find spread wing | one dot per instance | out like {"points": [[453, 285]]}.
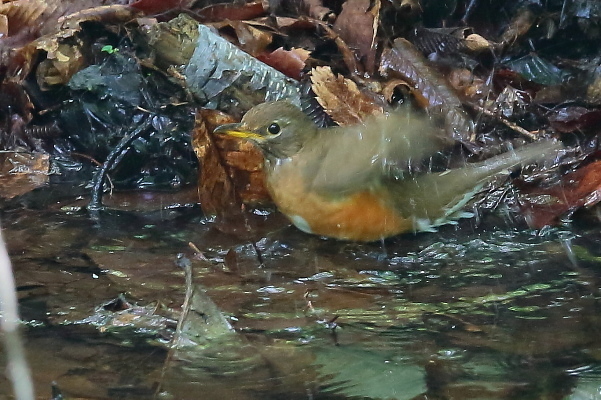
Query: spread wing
{"points": [[356, 157]]}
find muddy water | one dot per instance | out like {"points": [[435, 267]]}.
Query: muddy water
{"points": [[475, 312]]}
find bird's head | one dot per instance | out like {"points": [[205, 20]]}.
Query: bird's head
{"points": [[279, 128]]}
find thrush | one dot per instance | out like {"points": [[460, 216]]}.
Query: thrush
{"points": [[355, 182]]}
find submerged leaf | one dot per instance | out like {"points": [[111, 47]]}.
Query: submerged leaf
{"points": [[22, 172]]}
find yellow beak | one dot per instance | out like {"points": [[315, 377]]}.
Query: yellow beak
{"points": [[238, 130]]}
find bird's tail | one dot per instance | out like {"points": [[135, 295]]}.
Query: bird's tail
{"points": [[524, 155], [438, 198]]}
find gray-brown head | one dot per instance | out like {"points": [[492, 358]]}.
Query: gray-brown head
{"points": [[279, 128]]}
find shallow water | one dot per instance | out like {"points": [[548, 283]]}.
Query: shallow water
{"points": [[485, 312]]}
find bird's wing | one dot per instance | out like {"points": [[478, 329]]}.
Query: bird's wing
{"points": [[355, 157]]}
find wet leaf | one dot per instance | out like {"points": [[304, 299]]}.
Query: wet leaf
{"points": [[449, 41], [573, 118], [537, 70], [203, 323], [52, 20], [586, 12], [63, 59], [518, 26], [22, 172], [466, 83], [216, 190], [581, 188]]}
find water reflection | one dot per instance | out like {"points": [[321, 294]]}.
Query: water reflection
{"points": [[465, 314]]}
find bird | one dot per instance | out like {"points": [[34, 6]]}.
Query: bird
{"points": [[354, 182]]}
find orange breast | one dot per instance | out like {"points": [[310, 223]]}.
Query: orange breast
{"points": [[363, 216]]}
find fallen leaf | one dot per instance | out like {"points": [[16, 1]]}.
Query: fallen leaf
{"points": [[394, 88], [151, 7], [232, 11], [430, 89], [341, 98], [581, 188], [231, 169], [22, 172], [250, 39], [518, 27], [468, 85], [357, 25], [216, 190], [571, 118], [289, 62], [317, 10]]}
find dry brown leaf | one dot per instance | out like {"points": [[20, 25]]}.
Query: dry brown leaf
{"points": [[3, 25], [477, 43], [357, 25], [231, 169], [55, 24], [63, 60], [341, 98]]}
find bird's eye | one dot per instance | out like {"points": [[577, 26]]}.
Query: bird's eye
{"points": [[274, 129]]}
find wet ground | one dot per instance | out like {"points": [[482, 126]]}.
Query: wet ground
{"points": [[482, 311]]}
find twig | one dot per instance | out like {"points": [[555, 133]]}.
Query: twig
{"points": [[95, 162], [186, 265], [98, 182], [506, 122]]}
